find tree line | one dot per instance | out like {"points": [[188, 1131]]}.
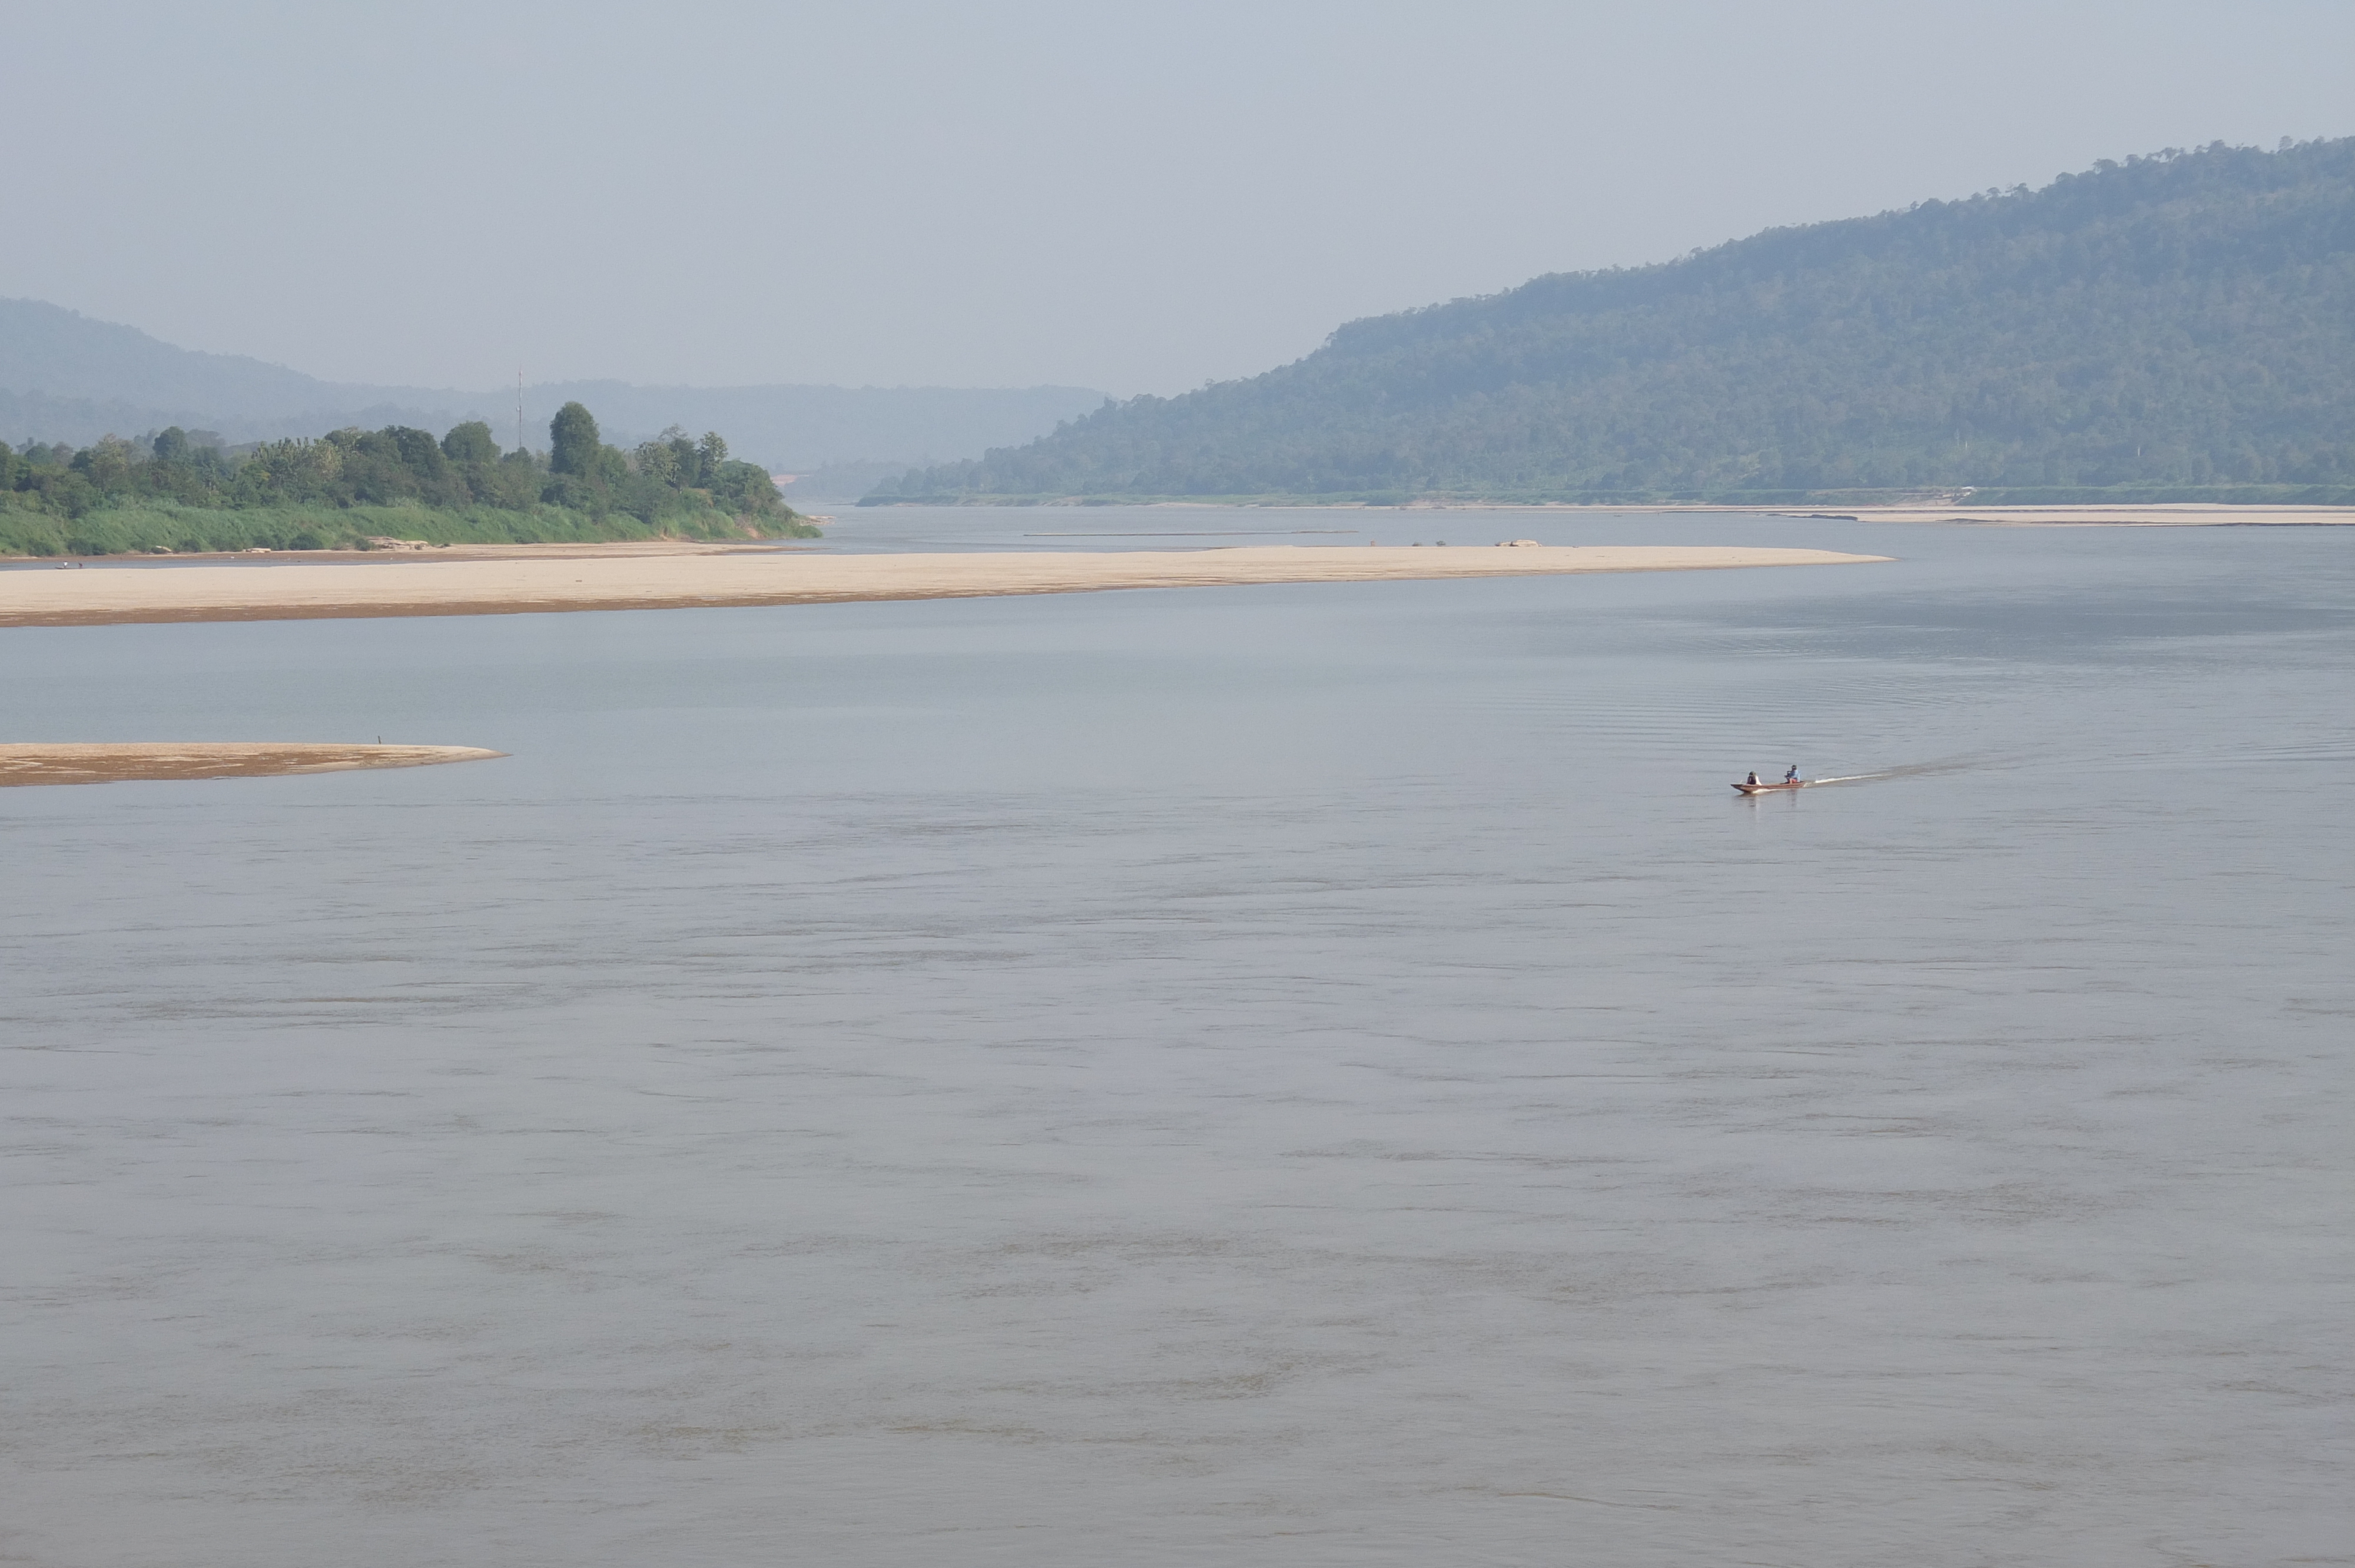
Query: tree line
{"points": [[673, 480], [2182, 321]]}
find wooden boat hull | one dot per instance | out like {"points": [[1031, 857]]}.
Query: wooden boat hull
{"points": [[1771, 789]]}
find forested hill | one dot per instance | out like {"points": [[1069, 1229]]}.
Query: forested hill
{"points": [[2183, 324]]}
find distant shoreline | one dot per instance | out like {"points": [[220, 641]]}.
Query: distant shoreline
{"points": [[635, 577], [2155, 514]]}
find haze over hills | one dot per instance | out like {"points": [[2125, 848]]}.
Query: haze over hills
{"points": [[64, 377], [2180, 324]]}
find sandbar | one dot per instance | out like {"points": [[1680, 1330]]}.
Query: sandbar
{"points": [[578, 581], [2154, 515], [115, 762], [2164, 515]]}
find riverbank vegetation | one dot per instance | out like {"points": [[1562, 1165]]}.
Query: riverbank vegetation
{"points": [[180, 492], [2179, 326]]}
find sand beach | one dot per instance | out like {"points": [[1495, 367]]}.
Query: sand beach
{"points": [[585, 578]]}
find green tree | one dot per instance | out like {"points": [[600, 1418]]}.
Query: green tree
{"points": [[418, 451], [470, 443], [746, 490], [656, 462], [709, 454], [172, 445], [106, 465], [572, 441]]}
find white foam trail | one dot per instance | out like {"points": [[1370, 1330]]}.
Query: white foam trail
{"points": [[1915, 770]]}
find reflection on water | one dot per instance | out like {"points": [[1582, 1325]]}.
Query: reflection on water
{"points": [[1299, 1074]]}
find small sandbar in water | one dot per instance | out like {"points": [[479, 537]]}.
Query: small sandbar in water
{"points": [[115, 762]]}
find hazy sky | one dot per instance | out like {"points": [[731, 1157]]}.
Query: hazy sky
{"points": [[1006, 192]]}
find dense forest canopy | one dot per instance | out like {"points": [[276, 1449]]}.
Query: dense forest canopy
{"points": [[57, 497], [2178, 322]]}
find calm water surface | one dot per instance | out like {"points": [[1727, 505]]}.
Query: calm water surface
{"points": [[1316, 1074]]}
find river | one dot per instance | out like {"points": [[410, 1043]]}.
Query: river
{"points": [[1308, 1074]]}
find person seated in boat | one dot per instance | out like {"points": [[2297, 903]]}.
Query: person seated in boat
{"points": [[1754, 779], [1793, 776]]}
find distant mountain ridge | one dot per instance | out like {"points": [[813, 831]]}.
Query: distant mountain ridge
{"points": [[47, 349], [2181, 321], [65, 376]]}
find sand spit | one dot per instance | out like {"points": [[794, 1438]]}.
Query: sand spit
{"points": [[113, 763], [536, 585], [2170, 515]]}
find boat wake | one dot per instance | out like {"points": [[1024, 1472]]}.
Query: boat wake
{"points": [[1914, 770]]}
